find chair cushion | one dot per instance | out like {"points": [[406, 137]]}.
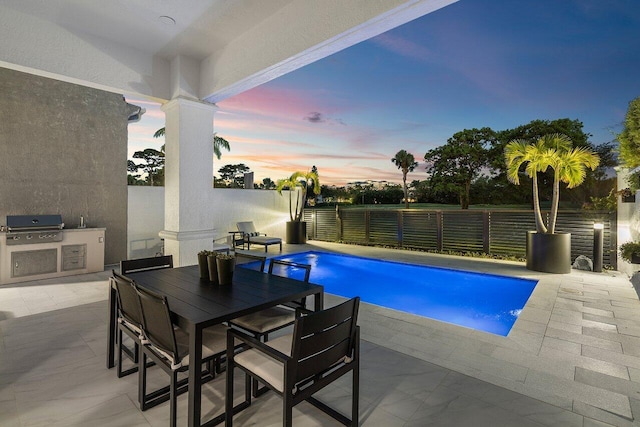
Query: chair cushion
{"points": [[266, 320], [267, 368], [264, 240]]}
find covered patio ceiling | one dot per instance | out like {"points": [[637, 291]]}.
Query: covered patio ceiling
{"points": [[204, 49]]}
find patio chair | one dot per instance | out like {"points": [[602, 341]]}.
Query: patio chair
{"points": [[264, 322], [222, 244], [324, 346], [168, 345], [129, 320], [246, 258], [144, 264], [251, 235]]}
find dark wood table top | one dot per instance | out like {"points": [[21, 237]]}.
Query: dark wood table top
{"points": [[196, 301]]}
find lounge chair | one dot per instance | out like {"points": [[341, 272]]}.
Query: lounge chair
{"points": [[251, 236]]}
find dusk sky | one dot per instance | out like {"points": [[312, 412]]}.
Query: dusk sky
{"points": [[475, 63]]}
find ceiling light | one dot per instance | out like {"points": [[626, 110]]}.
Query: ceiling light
{"points": [[166, 20]]}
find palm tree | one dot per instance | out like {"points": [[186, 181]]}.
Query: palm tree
{"points": [[218, 142], [298, 184], [553, 151], [407, 163]]}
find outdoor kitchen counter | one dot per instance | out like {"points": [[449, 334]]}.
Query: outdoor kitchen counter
{"points": [[80, 251]]}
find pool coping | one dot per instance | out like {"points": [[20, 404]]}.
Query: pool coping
{"points": [[565, 349]]}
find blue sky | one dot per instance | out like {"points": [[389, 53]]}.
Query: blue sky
{"points": [[475, 63]]}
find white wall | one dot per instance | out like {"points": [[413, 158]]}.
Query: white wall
{"points": [[628, 221], [145, 219], [266, 208]]}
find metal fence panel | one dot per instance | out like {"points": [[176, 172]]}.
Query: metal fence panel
{"points": [[580, 225], [383, 227], [419, 229], [498, 232], [354, 227], [321, 224], [462, 231], [508, 232]]}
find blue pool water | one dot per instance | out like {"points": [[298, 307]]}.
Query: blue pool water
{"points": [[480, 301]]}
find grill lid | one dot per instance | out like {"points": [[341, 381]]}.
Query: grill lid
{"points": [[34, 222]]}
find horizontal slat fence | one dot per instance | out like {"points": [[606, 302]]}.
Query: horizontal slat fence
{"points": [[508, 231], [462, 231], [420, 229], [496, 232]]}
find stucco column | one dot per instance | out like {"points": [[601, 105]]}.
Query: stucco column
{"points": [[188, 179]]}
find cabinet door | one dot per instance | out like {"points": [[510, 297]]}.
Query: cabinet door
{"points": [[30, 263]]}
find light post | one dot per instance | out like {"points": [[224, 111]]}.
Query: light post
{"points": [[598, 230]]}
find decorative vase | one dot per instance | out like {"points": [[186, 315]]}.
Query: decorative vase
{"points": [[296, 232], [225, 270], [212, 269], [549, 253], [202, 266]]}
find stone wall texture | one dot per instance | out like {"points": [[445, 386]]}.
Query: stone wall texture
{"points": [[63, 149]]}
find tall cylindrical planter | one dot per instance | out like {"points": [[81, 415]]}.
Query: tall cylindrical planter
{"points": [[212, 269], [296, 232], [549, 253], [203, 267], [226, 266]]}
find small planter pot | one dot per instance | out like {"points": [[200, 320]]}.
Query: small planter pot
{"points": [[212, 269], [226, 266], [202, 266], [635, 258]]}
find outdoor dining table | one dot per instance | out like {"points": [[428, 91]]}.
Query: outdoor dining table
{"points": [[197, 304]]}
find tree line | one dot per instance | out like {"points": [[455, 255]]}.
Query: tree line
{"points": [[470, 168]]}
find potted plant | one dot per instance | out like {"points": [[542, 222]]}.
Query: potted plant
{"points": [[630, 252], [297, 184], [627, 195], [547, 250], [226, 265], [202, 264]]}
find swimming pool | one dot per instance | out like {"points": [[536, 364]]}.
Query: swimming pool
{"points": [[485, 302]]}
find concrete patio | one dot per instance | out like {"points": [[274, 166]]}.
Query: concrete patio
{"points": [[571, 359]]}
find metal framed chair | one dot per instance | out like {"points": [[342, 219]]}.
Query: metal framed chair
{"points": [[129, 321], [257, 261], [251, 236], [264, 322], [324, 346], [168, 346], [222, 244], [144, 264], [126, 267]]}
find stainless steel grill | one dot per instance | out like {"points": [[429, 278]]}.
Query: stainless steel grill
{"points": [[30, 229]]}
